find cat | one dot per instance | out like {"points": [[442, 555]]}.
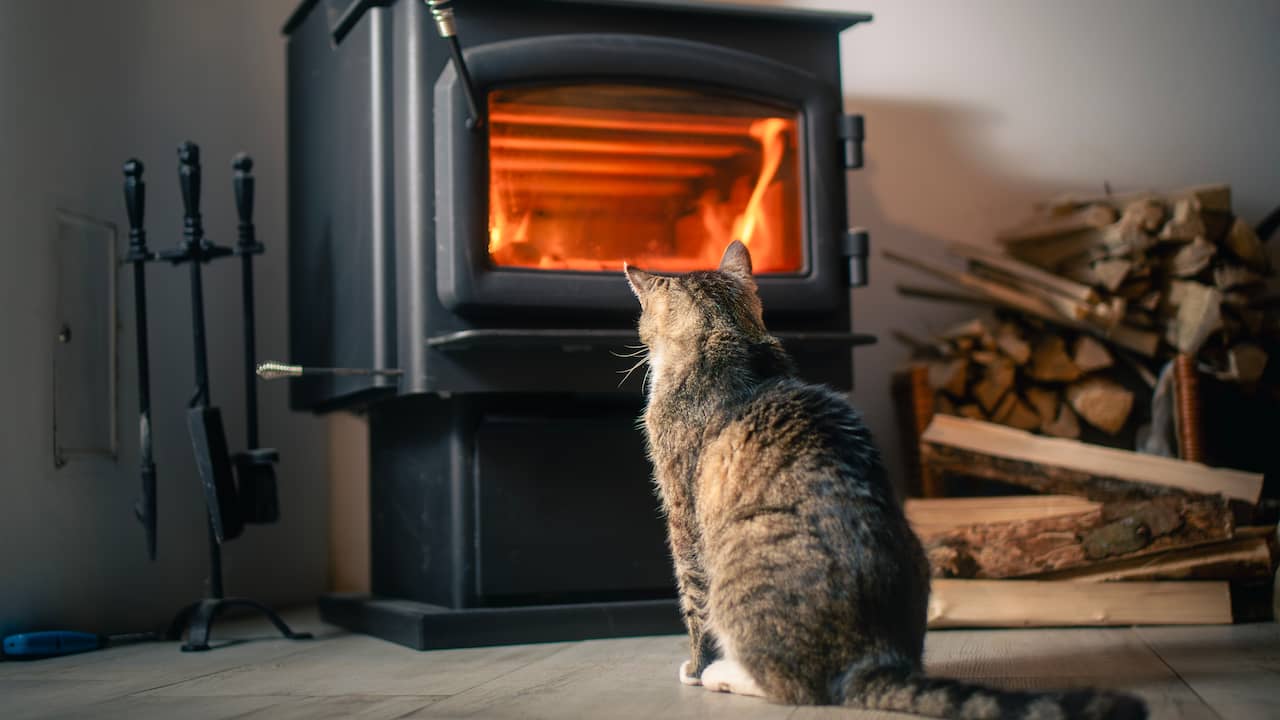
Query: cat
{"points": [[799, 578]]}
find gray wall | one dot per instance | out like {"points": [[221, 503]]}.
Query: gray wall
{"points": [[83, 86]]}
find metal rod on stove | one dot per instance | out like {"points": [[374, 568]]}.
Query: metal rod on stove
{"points": [[443, 15], [276, 370]]}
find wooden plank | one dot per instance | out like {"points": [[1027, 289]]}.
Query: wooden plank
{"points": [[1057, 658], [1101, 464], [622, 679], [1032, 603], [1234, 669], [362, 665], [928, 516]]}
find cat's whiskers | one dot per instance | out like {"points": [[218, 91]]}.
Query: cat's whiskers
{"points": [[639, 351], [627, 373]]}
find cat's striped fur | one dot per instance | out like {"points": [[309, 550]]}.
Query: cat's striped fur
{"points": [[799, 577]]}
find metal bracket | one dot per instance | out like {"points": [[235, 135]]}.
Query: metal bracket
{"points": [[852, 132], [856, 248]]}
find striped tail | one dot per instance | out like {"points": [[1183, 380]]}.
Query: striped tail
{"points": [[902, 690]]}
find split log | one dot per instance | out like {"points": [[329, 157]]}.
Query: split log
{"points": [[1139, 341], [1186, 224], [1010, 342], [1015, 413], [1209, 197], [1065, 425], [1111, 273], [949, 376], [1242, 558], [1059, 466], [1047, 544], [1045, 402], [1051, 226], [933, 515], [1050, 361], [1199, 314], [971, 411], [1228, 276], [1090, 355], [1193, 258], [1031, 603], [1243, 242], [1102, 403], [995, 383], [1027, 272], [1146, 213]]}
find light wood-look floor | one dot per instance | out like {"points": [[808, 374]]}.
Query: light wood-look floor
{"points": [[1230, 673]]}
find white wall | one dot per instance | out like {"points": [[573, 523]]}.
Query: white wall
{"points": [[974, 109], [83, 86]]}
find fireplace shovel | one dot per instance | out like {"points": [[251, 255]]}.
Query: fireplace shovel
{"points": [[255, 467]]}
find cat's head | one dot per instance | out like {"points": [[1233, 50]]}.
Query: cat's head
{"points": [[680, 313]]}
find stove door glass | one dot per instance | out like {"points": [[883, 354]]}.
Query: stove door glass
{"points": [[586, 176]]}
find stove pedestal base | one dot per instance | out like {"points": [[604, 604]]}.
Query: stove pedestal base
{"points": [[431, 627]]}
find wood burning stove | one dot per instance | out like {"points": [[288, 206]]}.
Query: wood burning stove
{"points": [[482, 257]]}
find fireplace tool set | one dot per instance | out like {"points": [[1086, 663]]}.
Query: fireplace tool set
{"points": [[247, 494]]}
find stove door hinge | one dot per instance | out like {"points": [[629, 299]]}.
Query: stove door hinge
{"points": [[852, 133], [856, 247]]}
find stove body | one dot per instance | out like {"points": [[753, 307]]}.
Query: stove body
{"points": [[510, 493]]}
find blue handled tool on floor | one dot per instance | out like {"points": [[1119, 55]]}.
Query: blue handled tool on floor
{"points": [[52, 643]]}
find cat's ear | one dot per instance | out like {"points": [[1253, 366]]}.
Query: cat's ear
{"points": [[736, 260], [641, 282]]}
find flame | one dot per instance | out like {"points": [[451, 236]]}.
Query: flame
{"points": [[578, 184], [769, 132]]}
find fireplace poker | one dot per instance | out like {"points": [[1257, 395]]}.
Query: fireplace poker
{"points": [[275, 370], [135, 194], [443, 15]]}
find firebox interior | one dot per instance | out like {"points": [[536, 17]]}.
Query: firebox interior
{"points": [[584, 177]]}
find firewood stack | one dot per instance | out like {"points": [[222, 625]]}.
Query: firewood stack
{"points": [[1157, 526], [1093, 297], [1025, 374], [1149, 274]]}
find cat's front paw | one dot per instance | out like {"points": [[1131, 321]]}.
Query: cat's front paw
{"points": [[685, 676]]}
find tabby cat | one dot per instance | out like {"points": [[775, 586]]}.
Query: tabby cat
{"points": [[799, 578]]}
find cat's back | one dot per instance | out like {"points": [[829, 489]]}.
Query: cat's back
{"points": [[788, 436]]}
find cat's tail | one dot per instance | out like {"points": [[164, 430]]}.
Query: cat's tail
{"points": [[898, 689]]}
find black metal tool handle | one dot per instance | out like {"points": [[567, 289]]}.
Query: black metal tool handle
{"points": [[242, 184], [193, 244], [135, 195], [442, 13], [189, 181], [247, 247]]}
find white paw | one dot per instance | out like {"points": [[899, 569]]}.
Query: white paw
{"points": [[685, 677], [729, 676]]}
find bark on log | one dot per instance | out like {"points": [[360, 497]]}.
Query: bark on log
{"points": [[1123, 530]]}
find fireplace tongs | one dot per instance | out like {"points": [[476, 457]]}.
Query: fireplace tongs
{"points": [[443, 15]]}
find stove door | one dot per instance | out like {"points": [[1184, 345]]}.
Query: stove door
{"points": [[604, 149]]}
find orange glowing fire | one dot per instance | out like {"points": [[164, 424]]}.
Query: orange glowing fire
{"points": [[586, 177]]}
